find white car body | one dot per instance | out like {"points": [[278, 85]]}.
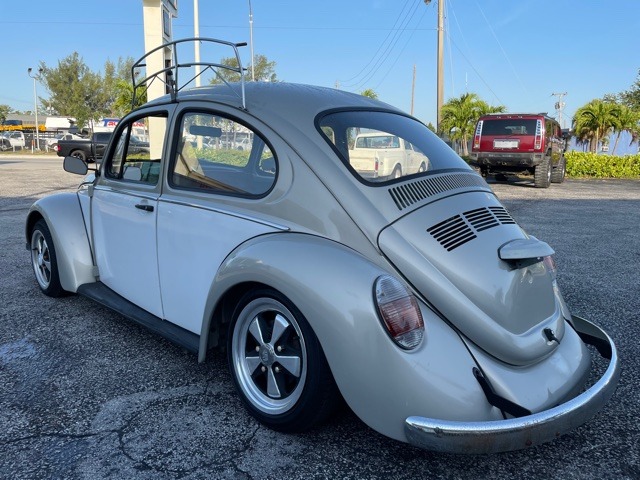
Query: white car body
{"points": [[418, 299]]}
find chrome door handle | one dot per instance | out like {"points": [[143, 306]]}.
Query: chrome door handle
{"points": [[146, 208]]}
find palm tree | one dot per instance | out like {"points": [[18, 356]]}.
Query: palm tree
{"points": [[594, 121], [459, 117], [369, 92], [626, 120]]}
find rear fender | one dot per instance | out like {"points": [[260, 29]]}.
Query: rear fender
{"points": [[65, 220], [333, 286]]}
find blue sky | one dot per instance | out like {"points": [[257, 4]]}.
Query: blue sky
{"points": [[513, 53]]}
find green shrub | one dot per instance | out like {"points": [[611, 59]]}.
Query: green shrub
{"points": [[583, 164]]}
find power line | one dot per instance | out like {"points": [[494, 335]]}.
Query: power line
{"points": [[408, 16], [503, 51], [381, 44]]}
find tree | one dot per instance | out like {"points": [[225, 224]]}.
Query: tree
{"points": [[370, 93], [78, 92], [4, 111], [631, 97], [595, 120], [264, 70], [459, 117], [626, 120]]}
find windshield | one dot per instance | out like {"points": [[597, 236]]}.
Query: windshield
{"points": [[379, 147]]}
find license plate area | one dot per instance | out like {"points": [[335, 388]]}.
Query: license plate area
{"points": [[506, 143]]}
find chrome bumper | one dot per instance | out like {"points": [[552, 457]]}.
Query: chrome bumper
{"points": [[523, 432]]}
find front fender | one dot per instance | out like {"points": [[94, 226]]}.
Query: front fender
{"points": [[65, 220], [332, 286]]}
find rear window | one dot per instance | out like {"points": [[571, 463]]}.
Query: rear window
{"points": [[511, 126], [379, 147]]}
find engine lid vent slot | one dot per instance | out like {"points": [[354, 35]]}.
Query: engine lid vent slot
{"points": [[407, 194], [452, 232], [460, 229]]}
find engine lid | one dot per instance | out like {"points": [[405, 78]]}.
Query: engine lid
{"points": [[450, 251]]}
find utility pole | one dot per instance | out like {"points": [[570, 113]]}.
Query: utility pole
{"points": [[413, 87], [196, 45], [560, 107], [253, 71], [35, 103], [440, 61]]}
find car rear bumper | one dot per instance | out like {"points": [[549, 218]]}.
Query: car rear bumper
{"points": [[509, 160], [530, 430]]}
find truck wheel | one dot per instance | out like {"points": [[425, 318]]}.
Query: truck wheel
{"points": [[559, 172], [542, 174], [277, 363], [44, 260], [79, 154], [397, 172], [423, 168]]}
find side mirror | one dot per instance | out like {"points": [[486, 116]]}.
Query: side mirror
{"points": [[132, 173], [75, 165]]}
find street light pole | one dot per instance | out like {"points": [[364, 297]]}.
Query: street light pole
{"points": [[35, 103], [253, 72]]}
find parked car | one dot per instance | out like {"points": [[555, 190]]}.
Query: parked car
{"points": [[12, 140], [520, 142], [89, 149], [380, 155], [419, 299], [52, 142]]}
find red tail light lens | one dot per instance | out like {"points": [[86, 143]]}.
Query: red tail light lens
{"points": [[537, 144], [476, 138], [399, 312]]}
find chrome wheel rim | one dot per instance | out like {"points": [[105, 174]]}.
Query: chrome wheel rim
{"points": [[269, 356], [41, 259]]}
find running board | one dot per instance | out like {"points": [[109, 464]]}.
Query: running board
{"points": [[102, 294]]}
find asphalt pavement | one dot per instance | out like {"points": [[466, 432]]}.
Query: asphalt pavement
{"points": [[86, 394]]}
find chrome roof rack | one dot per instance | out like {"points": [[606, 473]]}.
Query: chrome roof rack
{"points": [[169, 74]]}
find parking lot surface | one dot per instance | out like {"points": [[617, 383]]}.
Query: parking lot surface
{"points": [[84, 393]]}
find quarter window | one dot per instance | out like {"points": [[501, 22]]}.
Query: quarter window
{"points": [[218, 154]]}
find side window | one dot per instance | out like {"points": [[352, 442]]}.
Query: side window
{"points": [[218, 154], [136, 157]]}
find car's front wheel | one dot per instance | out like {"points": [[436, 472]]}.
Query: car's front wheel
{"points": [[277, 363], [44, 260], [542, 174], [558, 173]]}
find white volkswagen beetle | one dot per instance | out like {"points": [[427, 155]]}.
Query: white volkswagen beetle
{"points": [[417, 299]]}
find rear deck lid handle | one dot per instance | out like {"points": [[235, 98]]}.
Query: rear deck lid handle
{"points": [[522, 249]]}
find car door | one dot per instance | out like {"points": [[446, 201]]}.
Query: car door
{"points": [[206, 210], [124, 209]]}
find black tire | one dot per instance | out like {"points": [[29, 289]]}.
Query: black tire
{"points": [[284, 382], [542, 174], [44, 260], [559, 172], [501, 177], [79, 154], [397, 172], [423, 167]]}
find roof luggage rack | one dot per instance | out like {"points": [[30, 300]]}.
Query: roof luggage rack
{"points": [[169, 74]]}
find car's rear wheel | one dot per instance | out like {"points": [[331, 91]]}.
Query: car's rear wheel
{"points": [[397, 172], [542, 174], [79, 154], [44, 260], [559, 172], [423, 167], [277, 363]]}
